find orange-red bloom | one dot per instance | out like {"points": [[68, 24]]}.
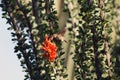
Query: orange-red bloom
{"points": [[50, 49]]}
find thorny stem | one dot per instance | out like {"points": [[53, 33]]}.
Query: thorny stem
{"points": [[70, 7], [48, 11], [96, 53], [16, 28], [35, 10], [82, 55], [31, 35], [106, 44]]}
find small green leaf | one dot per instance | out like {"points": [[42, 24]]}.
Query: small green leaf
{"points": [[19, 56]]}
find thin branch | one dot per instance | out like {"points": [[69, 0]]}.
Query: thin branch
{"points": [[31, 34], [106, 44], [96, 53], [35, 10], [15, 27], [25, 15], [48, 11]]}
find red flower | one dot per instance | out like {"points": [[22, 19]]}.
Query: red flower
{"points": [[50, 49]]}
